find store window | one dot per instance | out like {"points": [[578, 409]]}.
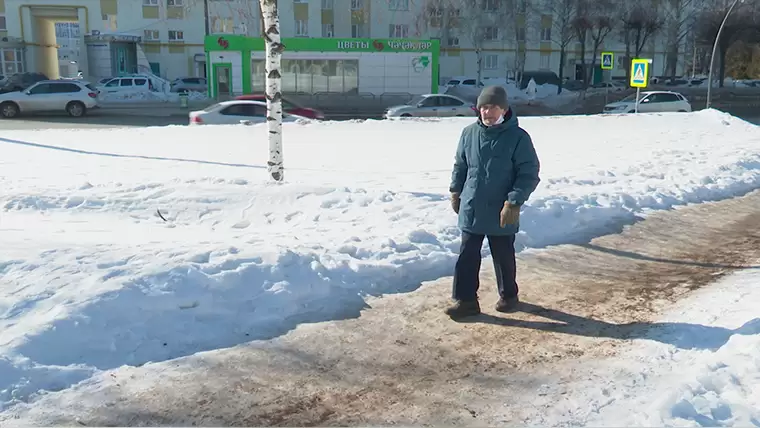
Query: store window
{"points": [[11, 61], [311, 75]]}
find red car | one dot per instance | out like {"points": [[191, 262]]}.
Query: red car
{"points": [[288, 106]]}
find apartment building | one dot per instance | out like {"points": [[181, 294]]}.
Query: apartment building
{"points": [[103, 37], [507, 40], [167, 36]]}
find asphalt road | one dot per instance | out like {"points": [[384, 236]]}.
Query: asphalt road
{"points": [[115, 118]]}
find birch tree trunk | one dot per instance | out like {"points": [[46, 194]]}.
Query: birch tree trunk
{"points": [[274, 48]]}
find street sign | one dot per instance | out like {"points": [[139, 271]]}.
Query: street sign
{"points": [[608, 60], [639, 73]]}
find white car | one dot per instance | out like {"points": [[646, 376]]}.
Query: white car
{"points": [[650, 102], [432, 105], [236, 112], [74, 97]]}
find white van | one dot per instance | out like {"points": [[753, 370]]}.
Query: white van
{"points": [[126, 84]]}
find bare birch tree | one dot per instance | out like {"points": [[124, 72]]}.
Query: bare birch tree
{"points": [[274, 49]]}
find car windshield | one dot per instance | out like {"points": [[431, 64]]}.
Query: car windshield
{"points": [[631, 98], [414, 101]]}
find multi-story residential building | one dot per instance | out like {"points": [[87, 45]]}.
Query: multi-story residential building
{"points": [[167, 36], [112, 36]]}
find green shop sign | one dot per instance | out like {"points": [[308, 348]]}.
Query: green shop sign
{"points": [[301, 44]]}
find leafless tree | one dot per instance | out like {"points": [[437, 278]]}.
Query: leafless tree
{"points": [[582, 24], [678, 19], [742, 24], [639, 23], [563, 32], [601, 15]]}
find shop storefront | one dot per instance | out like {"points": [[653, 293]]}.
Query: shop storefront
{"points": [[329, 65]]}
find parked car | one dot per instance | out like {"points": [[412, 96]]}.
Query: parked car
{"points": [[651, 102], [74, 97], [189, 84], [288, 106], [432, 105], [613, 86], [127, 84], [21, 81], [464, 81], [235, 112]]}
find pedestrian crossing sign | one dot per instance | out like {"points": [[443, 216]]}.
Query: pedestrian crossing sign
{"points": [[608, 61], [639, 73]]}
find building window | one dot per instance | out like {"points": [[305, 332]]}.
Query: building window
{"points": [[327, 4], [357, 4], [398, 4], [453, 41], [328, 30], [150, 2], [398, 31], [491, 5], [546, 34], [521, 34], [222, 25], [11, 61], [176, 36], [109, 22], [491, 33], [491, 62], [310, 76], [357, 31], [302, 28], [151, 35], [300, 1], [174, 2], [545, 61], [3, 24]]}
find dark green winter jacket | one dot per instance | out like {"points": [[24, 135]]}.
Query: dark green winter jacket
{"points": [[493, 165]]}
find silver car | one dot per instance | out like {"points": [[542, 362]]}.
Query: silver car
{"points": [[189, 84], [74, 97], [432, 105]]}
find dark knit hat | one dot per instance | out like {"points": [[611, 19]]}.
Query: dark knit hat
{"points": [[493, 95]]}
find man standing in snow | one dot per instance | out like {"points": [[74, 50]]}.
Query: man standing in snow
{"points": [[495, 171]]}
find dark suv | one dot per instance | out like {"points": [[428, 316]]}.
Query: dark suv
{"points": [[21, 81]]}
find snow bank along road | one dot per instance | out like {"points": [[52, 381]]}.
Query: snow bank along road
{"points": [[403, 362], [99, 281]]}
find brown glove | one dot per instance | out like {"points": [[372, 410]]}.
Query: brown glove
{"points": [[510, 214], [455, 201]]}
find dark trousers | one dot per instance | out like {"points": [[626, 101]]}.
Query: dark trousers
{"points": [[467, 270]]}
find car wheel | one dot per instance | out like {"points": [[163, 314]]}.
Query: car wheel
{"points": [[631, 111], [9, 110], [682, 111], [406, 115], [75, 109]]}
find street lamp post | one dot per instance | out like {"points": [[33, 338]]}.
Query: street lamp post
{"points": [[715, 47]]}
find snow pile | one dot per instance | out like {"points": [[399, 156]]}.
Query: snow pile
{"points": [[94, 278], [699, 366]]}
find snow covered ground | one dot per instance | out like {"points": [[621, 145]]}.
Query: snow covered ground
{"points": [[699, 366], [92, 278]]}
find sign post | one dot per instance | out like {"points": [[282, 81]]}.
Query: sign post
{"points": [[639, 77], [608, 63]]}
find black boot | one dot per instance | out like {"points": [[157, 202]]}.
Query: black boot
{"points": [[508, 305], [462, 309]]}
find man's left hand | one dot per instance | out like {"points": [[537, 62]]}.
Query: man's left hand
{"points": [[510, 214]]}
